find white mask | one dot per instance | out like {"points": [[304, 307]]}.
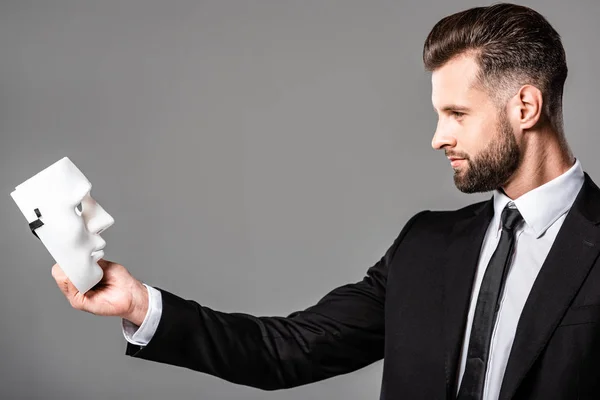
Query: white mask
{"points": [[61, 213]]}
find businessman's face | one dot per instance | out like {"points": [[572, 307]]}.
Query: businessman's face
{"points": [[475, 134]]}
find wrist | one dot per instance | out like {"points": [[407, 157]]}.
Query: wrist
{"points": [[139, 304]]}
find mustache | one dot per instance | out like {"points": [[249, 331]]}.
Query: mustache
{"points": [[457, 155]]}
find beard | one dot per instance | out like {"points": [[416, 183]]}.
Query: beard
{"points": [[494, 165]]}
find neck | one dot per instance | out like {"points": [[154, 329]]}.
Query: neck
{"points": [[546, 156]]}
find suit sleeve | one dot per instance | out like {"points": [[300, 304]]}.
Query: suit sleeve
{"points": [[343, 332]]}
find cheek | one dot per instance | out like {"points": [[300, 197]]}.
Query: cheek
{"points": [[476, 136], [68, 228]]}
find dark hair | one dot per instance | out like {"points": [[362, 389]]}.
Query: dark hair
{"points": [[513, 45]]}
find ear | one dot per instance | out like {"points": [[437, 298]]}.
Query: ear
{"points": [[529, 102]]}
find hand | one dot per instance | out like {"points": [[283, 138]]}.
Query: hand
{"points": [[117, 294]]}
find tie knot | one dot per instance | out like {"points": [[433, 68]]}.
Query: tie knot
{"points": [[511, 217]]}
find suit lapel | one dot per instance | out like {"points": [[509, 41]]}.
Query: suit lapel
{"points": [[462, 255], [571, 256]]}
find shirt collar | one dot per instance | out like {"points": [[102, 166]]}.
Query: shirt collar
{"points": [[542, 206]]}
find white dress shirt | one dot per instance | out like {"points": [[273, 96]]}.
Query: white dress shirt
{"points": [[543, 209]]}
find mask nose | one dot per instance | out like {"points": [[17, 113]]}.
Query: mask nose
{"points": [[100, 221]]}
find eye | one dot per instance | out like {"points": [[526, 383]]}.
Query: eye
{"points": [[458, 114], [79, 209]]}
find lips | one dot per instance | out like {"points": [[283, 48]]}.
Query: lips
{"points": [[455, 162], [98, 253]]}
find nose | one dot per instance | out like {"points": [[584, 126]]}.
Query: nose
{"points": [[442, 138], [100, 221]]}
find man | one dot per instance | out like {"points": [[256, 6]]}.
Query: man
{"points": [[497, 300]]}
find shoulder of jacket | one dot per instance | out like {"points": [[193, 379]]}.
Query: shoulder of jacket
{"points": [[443, 217]]}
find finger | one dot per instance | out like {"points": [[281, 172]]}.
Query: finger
{"points": [[73, 295], [70, 289], [104, 264], [59, 276], [57, 272], [63, 282]]}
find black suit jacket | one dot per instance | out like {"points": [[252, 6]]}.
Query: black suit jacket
{"points": [[411, 309]]}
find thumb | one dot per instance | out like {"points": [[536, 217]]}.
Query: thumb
{"points": [[104, 264]]}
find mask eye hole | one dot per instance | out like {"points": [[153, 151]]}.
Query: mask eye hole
{"points": [[79, 209]]}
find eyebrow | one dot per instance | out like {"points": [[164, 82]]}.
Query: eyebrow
{"points": [[454, 107]]}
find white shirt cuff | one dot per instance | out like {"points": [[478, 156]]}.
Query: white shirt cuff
{"points": [[141, 335]]}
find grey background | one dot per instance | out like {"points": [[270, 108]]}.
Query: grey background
{"points": [[255, 155]]}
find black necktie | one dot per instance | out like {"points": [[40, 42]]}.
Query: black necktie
{"points": [[471, 387]]}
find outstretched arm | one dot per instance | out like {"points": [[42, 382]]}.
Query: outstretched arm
{"points": [[343, 332]]}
